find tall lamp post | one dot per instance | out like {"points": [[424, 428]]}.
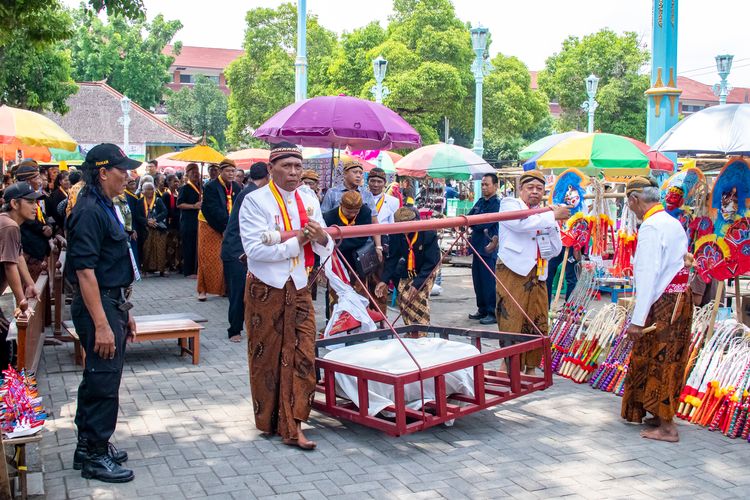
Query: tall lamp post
{"points": [[300, 63], [480, 68], [379, 67], [125, 106], [592, 83], [723, 66]]}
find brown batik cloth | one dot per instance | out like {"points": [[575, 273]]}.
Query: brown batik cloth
{"points": [[155, 251], [210, 267], [417, 311], [174, 255], [281, 354], [531, 295], [657, 363]]}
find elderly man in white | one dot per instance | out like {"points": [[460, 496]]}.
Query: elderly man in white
{"points": [[279, 314], [524, 247]]}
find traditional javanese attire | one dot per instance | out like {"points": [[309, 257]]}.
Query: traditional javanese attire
{"points": [[173, 230], [279, 314], [218, 198], [386, 206], [663, 298], [421, 254], [154, 239], [522, 270]]}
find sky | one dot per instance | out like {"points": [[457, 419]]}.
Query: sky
{"points": [[531, 30]]}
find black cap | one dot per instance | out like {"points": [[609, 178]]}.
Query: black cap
{"points": [[21, 190], [259, 170], [108, 156]]}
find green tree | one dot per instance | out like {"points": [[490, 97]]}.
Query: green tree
{"points": [[200, 109], [514, 113], [350, 70], [33, 74], [262, 80], [617, 61], [36, 18], [127, 54]]}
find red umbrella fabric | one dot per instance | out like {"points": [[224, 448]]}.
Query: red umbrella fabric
{"points": [[340, 122], [656, 160]]}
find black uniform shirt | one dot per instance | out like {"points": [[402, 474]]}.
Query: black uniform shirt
{"points": [[188, 216], [231, 245], [97, 240]]}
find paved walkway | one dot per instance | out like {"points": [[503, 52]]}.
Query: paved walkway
{"points": [[189, 433]]}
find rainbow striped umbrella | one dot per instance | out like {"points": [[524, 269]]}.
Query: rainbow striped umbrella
{"points": [[444, 161], [593, 154]]}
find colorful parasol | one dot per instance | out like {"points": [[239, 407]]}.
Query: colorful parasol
{"points": [[38, 153], [244, 158], [656, 160], [446, 161], [543, 144], [198, 154], [593, 154], [34, 129], [721, 130], [339, 121]]}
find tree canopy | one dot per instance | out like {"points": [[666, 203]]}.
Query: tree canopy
{"points": [[200, 109], [617, 60], [127, 54]]}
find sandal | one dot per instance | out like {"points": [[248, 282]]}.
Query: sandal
{"points": [[236, 339]]}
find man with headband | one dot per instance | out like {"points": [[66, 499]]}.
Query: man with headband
{"points": [[524, 248], [662, 299], [279, 314]]}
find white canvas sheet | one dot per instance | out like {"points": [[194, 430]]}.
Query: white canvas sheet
{"points": [[390, 356]]}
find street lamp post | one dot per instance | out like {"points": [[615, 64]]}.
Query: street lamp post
{"points": [[723, 66], [592, 83], [125, 106], [379, 67], [300, 63], [480, 68]]}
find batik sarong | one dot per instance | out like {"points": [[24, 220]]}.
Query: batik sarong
{"points": [[657, 363], [155, 251], [417, 310], [174, 254], [531, 295], [280, 325], [210, 267]]}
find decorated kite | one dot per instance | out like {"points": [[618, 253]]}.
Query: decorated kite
{"points": [[725, 252], [569, 190]]}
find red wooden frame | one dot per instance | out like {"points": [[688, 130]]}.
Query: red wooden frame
{"points": [[491, 387]]}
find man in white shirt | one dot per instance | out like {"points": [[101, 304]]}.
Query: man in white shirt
{"points": [[662, 300], [524, 247], [385, 204], [279, 314]]}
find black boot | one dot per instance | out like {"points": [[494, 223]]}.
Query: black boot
{"points": [[100, 466], [118, 456]]}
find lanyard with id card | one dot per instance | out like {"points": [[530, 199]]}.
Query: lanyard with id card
{"points": [[117, 215], [545, 245]]}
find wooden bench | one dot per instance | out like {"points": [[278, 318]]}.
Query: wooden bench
{"points": [[28, 331], [186, 331]]}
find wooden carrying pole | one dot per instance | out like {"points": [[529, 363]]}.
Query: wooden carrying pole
{"points": [[337, 232], [714, 311], [561, 279]]}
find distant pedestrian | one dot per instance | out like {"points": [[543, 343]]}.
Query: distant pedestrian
{"points": [[189, 201], [484, 241], [173, 223]]}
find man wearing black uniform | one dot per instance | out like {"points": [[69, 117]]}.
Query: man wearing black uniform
{"points": [[36, 233], [484, 240], [189, 202], [101, 269], [233, 255]]}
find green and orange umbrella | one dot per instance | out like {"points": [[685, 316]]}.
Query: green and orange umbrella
{"points": [[594, 154]]}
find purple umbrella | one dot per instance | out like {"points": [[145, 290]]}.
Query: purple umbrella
{"points": [[338, 122]]}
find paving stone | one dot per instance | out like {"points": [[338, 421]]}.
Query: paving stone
{"points": [[189, 432]]}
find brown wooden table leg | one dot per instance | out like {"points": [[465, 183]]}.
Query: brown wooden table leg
{"points": [[196, 347]]}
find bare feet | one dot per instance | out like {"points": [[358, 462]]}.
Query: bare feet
{"points": [[530, 371], [201, 297], [235, 338], [301, 441], [652, 421], [193, 277], [665, 432]]}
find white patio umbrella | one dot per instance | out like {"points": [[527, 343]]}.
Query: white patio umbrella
{"points": [[716, 130]]}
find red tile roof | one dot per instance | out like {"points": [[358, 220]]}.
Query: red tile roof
{"points": [[203, 57], [697, 91]]}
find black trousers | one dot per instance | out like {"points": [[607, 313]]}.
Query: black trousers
{"points": [[189, 246], [484, 284], [571, 280], [235, 276], [98, 394]]}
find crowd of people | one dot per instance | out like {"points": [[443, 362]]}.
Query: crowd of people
{"points": [[120, 226]]}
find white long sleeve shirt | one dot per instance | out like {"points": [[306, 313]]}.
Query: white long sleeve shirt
{"points": [[517, 239], [388, 209], [275, 264], [662, 244]]}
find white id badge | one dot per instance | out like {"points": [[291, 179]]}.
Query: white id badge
{"points": [[545, 245]]}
